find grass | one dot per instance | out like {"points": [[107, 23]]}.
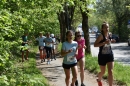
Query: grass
{"points": [[59, 47], [121, 72], [27, 72]]}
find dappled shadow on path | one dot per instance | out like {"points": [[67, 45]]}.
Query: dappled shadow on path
{"points": [[53, 71]]}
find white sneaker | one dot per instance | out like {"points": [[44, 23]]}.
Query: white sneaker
{"points": [[47, 62]]}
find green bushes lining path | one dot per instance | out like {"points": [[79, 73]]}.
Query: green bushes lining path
{"points": [[121, 72], [23, 74]]}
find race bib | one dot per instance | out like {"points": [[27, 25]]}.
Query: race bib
{"points": [[106, 50], [70, 58], [49, 44]]}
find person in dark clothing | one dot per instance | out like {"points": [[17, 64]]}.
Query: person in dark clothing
{"points": [[25, 46], [48, 46], [105, 56]]}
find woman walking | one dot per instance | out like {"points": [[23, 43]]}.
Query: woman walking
{"points": [[80, 56], [24, 48], [48, 46], [69, 51], [105, 56], [40, 40]]}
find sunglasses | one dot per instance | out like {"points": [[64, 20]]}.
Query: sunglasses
{"points": [[79, 35]]}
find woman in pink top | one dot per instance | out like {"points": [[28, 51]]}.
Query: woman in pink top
{"points": [[80, 56]]}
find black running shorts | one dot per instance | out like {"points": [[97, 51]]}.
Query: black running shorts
{"points": [[103, 59], [68, 66]]}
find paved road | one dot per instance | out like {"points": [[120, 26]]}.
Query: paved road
{"points": [[121, 51]]}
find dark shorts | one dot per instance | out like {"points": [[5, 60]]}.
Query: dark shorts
{"points": [[103, 59], [68, 66]]}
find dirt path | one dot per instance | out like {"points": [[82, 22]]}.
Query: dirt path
{"points": [[55, 74]]}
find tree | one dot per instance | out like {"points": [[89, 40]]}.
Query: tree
{"points": [[65, 18], [85, 15], [116, 13], [16, 17], [69, 9], [122, 14]]}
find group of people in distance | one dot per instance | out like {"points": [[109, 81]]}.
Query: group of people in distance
{"points": [[46, 46], [73, 54]]}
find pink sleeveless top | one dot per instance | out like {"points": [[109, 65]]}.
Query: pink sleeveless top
{"points": [[80, 50]]}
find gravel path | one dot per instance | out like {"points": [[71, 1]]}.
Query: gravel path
{"points": [[56, 77]]}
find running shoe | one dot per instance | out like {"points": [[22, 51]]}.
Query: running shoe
{"points": [[76, 83], [47, 62], [99, 83], [55, 57], [82, 84], [41, 61], [44, 60]]}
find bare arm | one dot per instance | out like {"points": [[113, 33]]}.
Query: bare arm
{"points": [[76, 52], [63, 52], [97, 44], [113, 40]]}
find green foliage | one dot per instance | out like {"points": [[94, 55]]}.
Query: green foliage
{"points": [[123, 76], [91, 64], [17, 16], [59, 47], [116, 13], [23, 74]]}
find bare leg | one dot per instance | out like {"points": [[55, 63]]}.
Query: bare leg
{"points": [[67, 74], [74, 73], [81, 65], [110, 66], [44, 54], [22, 56], [54, 54], [27, 52], [102, 68]]}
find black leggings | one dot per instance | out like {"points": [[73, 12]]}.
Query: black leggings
{"points": [[48, 51]]}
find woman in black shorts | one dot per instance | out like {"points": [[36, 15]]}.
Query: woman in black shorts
{"points": [[105, 56], [69, 51]]}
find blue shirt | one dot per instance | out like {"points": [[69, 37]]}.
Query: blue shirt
{"points": [[48, 42], [70, 58], [41, 40]]}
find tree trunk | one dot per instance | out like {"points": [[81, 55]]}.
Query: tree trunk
{"points": [[65, 20], [85, 29], [61, 17]]}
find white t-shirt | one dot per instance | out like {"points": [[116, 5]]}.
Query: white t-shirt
{"points": [[41, 40]]}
